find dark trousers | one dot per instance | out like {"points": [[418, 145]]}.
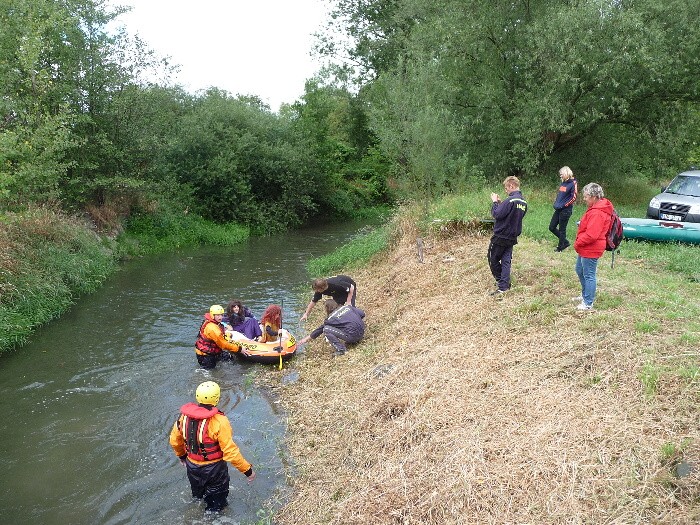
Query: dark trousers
{"points": [[558, 224], [209, 360], [342, 298], [338, 338], [500, 257], [210, 482]]}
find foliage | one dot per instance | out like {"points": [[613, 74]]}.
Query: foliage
{"points": [[462, 89], [243, 163], [167, 230], [48, 259], [352, 254], [334, 124], [79, 127]]}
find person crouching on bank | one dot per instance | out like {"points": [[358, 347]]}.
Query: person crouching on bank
{"points": [[344, 324], [202, 439]]}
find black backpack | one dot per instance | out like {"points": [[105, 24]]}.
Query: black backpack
{"points": [[614, 236]]}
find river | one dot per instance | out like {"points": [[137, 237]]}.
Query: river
{"points": [[88, 404]]}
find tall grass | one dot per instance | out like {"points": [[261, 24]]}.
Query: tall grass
{"points": [[630, 198], [351, 255], [149, 234], [48, 259]]}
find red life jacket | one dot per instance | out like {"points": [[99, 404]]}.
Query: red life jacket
{"points": [[194, 426], [204, 344]]}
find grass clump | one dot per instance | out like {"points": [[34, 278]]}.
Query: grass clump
{"points": [[47, 260], [352, 254], [150, 234]]}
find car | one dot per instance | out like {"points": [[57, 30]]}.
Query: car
{"points": [[679, 201]]}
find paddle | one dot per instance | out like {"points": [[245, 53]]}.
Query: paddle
{"points": [[279, 332]]}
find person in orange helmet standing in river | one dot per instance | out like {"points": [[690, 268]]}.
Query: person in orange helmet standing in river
{"points": [[202, 439]]}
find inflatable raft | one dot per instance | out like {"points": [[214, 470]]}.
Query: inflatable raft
{"points": [[267, 353], [656, 230]]}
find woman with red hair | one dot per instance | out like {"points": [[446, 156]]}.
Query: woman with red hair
{"points": [[271, 323]]}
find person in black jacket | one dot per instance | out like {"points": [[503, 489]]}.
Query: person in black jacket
{"points": [[344, 324], [337, 287], [508, 226]]}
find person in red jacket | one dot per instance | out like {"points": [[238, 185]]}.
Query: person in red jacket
{"points": [[202, 439], [590, 241]]}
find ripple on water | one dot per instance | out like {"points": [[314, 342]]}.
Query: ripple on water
{"points": [[36, 385], [103, 385]]}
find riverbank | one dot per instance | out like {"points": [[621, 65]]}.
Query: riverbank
{"points": [[49, 258], [463, 408]]}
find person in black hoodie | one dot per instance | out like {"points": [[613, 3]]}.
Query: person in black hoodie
{"points": [[509, 215]]}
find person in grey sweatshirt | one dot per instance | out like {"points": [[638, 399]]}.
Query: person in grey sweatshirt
{"points": [[343, 324]]}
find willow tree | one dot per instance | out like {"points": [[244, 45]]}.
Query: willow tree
{"points": [[502, 87]]}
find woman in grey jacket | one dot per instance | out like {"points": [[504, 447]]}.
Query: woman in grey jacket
{"points": [[344, 324]]}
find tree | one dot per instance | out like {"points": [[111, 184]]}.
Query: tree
{"points": [[335, 123], [498, 88], [243, 163], [35, 120], [67, 98]]}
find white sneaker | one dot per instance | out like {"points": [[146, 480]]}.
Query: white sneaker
{"points": [[584, 306], [577, 299]]}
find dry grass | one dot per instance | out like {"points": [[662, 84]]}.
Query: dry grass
{"points": [[461, 408]]}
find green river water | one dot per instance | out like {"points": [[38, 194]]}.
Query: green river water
{"points": [[89, 402]]}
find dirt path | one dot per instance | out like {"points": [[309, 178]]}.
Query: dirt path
{"points": [[459, 407]]}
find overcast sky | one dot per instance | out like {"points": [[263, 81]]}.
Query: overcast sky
{"points": [[258, 47]]}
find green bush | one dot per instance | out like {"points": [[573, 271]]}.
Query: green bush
{"points": [[352, 254], [148, 234]]}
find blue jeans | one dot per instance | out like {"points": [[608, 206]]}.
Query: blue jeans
{"points": [[586, 271]]}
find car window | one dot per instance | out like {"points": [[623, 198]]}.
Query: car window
{"points": [[683, 185]]}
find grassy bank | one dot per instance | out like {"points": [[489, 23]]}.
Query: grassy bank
{"points": [[353, 254], [630, 200], [461, 408], [48, 259]]}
